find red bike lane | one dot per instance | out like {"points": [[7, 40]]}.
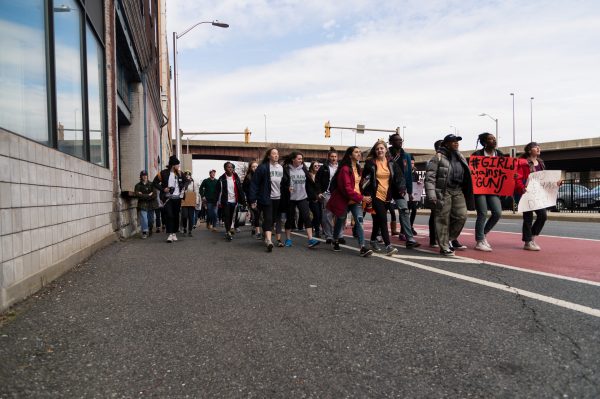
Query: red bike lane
{"points": [[570, 257]]}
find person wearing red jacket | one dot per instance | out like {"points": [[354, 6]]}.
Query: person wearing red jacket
{"points": [[530, 162], [346, 196]]}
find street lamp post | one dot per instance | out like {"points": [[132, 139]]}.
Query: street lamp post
{"points": [[513, 101], [403, 127], [495, 120], [531, 116], [175, 82]]}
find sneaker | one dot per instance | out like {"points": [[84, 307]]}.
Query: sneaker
{"points": [[238, 230], [342, 240], [402, 237], [480, 246], [313, 243], [174, 237], [279, 244], [414, 232], [485, 241], [390, 250], [412, 244], [144, 236], [170, 238], [375, 246], [232, 232], [446, 252], [536, 245], [228, 237], [328, 241], [433, 245], [379, 239], [269, 246], [336, 246], [288, 243], [530, 246], [365, 252], [258, 236], [457, 245]]}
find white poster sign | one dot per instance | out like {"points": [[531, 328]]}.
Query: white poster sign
{"points": [[417, 190], [542, 191]]}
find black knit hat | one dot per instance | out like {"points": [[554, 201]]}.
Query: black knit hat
{"points": [[173, 161]]}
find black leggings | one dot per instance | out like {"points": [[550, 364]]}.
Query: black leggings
{"points": [[302, 206], [270, 214], [380, 221], [255, 217], [228, 215]]}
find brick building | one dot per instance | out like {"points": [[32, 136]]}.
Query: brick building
{"points": [[84, 110]]}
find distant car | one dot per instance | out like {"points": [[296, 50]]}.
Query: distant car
{"points": [[591, 199], [567, 194]]}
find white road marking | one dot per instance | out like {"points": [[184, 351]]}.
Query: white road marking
{"points": [[528, 294]]}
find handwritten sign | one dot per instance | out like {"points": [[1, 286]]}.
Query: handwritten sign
{"points": [[542, 191], [493, 175], [417, 190]]}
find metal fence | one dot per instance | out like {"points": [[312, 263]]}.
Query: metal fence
{"points": [[579, 195]]}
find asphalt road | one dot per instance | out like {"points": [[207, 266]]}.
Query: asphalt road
{"points": [[206, 318]]}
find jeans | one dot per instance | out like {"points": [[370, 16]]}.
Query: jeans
{"points": [[530, 231], [404, 215], [211, 214], [451, 217], [357, 213], [327, 219], [228, 215], [483, 202], [146, 217]]}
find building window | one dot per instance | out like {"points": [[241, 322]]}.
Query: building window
{"points": [[69, 95], [96, 103], [23, 66]]}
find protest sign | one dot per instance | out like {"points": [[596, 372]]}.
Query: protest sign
{"points": [[493, 175], [417, 190], [542, 191]]}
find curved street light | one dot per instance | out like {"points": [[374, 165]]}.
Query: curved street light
{"points": [[176, 89], [495, 120]]}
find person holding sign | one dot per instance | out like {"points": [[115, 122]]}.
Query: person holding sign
{"points": [[483, 202], [449, 191], [530, 162]]}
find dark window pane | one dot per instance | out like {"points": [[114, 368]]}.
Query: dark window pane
{"points": [[24, 99], [95, 80], [67, 54]]}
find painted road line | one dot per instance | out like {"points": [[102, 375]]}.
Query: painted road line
{"points": [[440, 258], [513, 290]]}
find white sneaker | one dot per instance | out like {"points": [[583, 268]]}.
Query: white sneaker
{"points": [[535, 244], [530, 246], [174, 237], [487, 244], [170, 238], [480, 246]]}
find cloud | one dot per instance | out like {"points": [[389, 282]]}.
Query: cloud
{"points": [[422, 65]]}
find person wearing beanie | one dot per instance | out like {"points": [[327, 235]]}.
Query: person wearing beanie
{"points": [[146, 203], [170, 183]]}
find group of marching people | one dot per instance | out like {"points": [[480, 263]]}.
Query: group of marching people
{"points": [[274, 192]]}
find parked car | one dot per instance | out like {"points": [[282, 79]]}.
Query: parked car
{"points": [[567, 194], [591, 199]]}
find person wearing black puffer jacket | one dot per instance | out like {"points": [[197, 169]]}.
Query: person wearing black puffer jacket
{"points": [[229, 194], [170, 183], [382, 180]]}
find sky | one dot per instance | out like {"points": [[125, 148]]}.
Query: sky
{"points": [[431, 66]]}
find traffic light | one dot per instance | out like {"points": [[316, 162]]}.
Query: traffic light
{"points": [[327, 130], [247, 134]]}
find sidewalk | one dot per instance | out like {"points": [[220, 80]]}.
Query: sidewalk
{"points": [[561, 216]]}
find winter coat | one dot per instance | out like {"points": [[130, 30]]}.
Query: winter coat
{"points": [[222, 193], [161, 181], [438, 174], [147, 200], [481, 153], [403, 159], [524, 168], [344, 192], [397, 185], [260, 186], [322, 178]]}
